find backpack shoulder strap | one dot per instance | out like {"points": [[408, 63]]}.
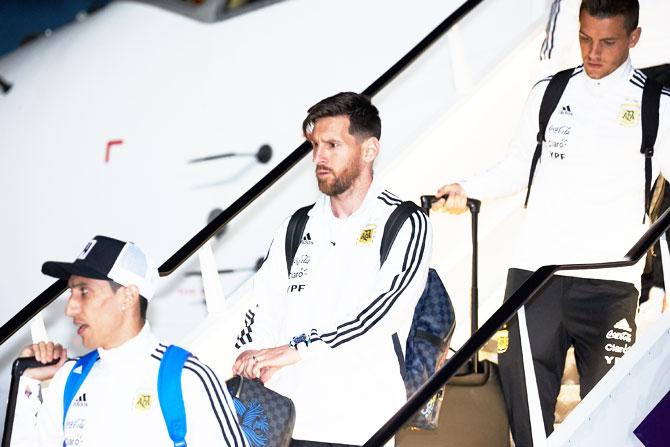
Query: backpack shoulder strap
{"points": [[552, 95], [76, 377], [170, 396], [296, 226], [651, 99], [393, 225]]}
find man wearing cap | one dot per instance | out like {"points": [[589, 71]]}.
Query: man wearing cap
{"points": [[111, 283]]}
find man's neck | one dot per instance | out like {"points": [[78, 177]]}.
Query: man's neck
{"points": [[345, 204], [126, 332]]}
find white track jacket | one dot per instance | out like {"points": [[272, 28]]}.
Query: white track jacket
{"points": [[117, 404], [348, 382], [587, 199]]}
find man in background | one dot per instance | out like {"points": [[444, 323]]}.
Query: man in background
{"points": [[586, 204]]}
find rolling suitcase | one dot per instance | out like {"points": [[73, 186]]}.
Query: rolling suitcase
{"points": [[473, 411]]}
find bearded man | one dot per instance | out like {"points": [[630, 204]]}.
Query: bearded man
{"points": [[330, 324]]}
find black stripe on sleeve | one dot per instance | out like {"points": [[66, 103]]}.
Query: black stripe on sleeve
{"points": [[386, 201], [637, 83], [245, 333], [380, 306], [548, 44], [388, 194], [389, 198], [213, 386], [231, 432]]}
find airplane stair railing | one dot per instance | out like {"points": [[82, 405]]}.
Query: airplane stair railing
{"points": [[50, 294], [505, 313], [471, 347]]}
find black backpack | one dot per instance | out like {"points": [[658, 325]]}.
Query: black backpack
{"points": [[432, 325], [651, 98]]}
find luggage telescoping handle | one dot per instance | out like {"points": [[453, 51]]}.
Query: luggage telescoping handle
{"points": [[18, 368], [427, 202], [474, 205]]}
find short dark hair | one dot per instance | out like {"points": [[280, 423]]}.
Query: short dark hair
{"points": [[144, 303], [602, 9], [363, 117]]}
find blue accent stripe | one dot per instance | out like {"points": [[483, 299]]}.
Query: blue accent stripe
{"points": [[214, 391]]}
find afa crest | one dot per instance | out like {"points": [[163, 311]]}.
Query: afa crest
{"points": [[143, 401], [503, 340], [629, 115], [367, 235]]}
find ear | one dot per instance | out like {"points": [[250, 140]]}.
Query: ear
{"points": [[130, 296], [634, 37], [371, 149]]}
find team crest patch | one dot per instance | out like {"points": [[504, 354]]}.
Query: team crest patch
{"points": [[629, 115], [367, 235], [143, 401], [503, 341]]}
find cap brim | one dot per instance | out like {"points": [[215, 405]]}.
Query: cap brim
{"points": [[63, 270]]}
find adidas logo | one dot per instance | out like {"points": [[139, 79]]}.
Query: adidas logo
{"points": [[565, 110], [80, 401], [623, 325], [307, 239], [77, 370]]}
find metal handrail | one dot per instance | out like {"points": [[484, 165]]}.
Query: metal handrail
{"points": [[527, 290], [189, 248]]}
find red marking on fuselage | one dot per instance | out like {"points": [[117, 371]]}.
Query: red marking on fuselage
{"points": [[111, 143]]}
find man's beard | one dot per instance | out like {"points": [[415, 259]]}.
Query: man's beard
{"points": [[340, 183]]}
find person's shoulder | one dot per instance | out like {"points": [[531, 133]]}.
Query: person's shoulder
{"points": [[639, 79], [540, 86], [194, 371], [64, 371], [390, 203], [199, 370], [309, 209], [60, 378], [387, 200], [198, 378]]}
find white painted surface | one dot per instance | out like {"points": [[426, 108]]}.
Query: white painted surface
{"points": [[215, 299], [624, 397]]}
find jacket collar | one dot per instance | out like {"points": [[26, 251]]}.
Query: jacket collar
{"points": [[322, 205], [138, 345], [612, 81]]}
